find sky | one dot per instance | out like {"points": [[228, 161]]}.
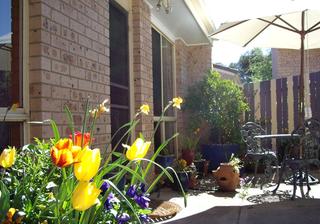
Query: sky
{"points": [[221, 11], [5, 15]]}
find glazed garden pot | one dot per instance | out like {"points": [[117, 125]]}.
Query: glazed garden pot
{"points": [[227, 178], [218, 153], [201, 166], [184, 180], [188, 156], [164, 161]]}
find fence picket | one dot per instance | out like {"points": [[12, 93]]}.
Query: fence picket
{"points": [[275, 102]]}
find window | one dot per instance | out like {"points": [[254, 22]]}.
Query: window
{"points": [[12, 124], [119, 70], [163, 87]]}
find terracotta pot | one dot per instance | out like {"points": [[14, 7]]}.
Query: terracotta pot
{"points": [[226, 177], [188, 156]]}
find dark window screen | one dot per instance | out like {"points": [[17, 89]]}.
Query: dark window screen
{"points": [[11, 134], [10, 53], [156, 70], [119, 70]]}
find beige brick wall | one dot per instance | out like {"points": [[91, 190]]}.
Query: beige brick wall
{"points": [[192, 63], [286, 62], [69, 61], [142, 64]]}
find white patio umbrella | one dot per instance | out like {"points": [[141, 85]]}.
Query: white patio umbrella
{"points": [[296, 30]]}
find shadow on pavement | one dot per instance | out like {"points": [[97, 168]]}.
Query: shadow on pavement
{"points": [[294, 212]]}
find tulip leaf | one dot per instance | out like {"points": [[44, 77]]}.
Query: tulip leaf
{"points": [[70, 120], [131, 125], [85, 119], [135, 174], [4, 198], [162, 146], [55, 130]]}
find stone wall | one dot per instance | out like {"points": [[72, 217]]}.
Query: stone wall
{"points": [[69, 62], [286, 62]]}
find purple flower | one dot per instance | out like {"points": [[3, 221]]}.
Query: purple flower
{"points": [[143, 188], [123, 218], [144, 218], [104, 187], [131, 192], [108, 204], [142, 201]]}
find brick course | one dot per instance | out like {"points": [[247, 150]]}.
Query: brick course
{"points": [[286, 62], [69, 61], [142, 63], [192, 63]]}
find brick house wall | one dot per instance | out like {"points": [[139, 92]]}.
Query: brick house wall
{"points": [[69, 61], [142, 64], [286, 62], [192, 63]]}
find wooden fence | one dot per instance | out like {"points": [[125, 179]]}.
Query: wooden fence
{"points": [[274, 103]]}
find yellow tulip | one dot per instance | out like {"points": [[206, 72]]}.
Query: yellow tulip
{"points": [[177, 101], [145, 109], [87, 165], [8, 157], [10, 213], [138, 149], [85, 195]]}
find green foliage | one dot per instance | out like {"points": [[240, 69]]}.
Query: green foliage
{"points": [[28, 181], [220, 103], [190, 140], [254, 66], [44, 191], [236, 163]]}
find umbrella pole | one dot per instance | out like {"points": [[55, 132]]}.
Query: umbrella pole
{"points": [[301, 93]]}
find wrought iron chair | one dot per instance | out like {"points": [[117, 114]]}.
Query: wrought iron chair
{"points": [[300, 155], [256, 151]]}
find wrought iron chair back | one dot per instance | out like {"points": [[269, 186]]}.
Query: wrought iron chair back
{"points": [[309, 140], [248, 133], [302, 153], [256, 152]]}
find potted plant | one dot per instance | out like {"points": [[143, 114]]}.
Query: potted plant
{"points": [[188, 143], [165, 159], [228, 174], [200, 164], [220, 103], [185, 174]]}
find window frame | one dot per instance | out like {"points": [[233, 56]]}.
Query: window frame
{"points": [[167, 119], [22, 113]]}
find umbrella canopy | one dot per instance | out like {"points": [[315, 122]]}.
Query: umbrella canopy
{"points": [[296, 30]]}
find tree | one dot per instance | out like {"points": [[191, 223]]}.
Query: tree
{"points": [[254, 66], [220, 103]]}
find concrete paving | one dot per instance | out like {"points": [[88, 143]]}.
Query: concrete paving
{"points": [[258, 206]]}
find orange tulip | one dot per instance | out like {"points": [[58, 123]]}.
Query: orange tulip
{"points": [[78, 137], [63, 153]]}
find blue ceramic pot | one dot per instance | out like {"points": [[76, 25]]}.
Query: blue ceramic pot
{"points": [[218, 153]]}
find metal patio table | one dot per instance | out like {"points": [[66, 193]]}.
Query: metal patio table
{"points": [[303, 176]]}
